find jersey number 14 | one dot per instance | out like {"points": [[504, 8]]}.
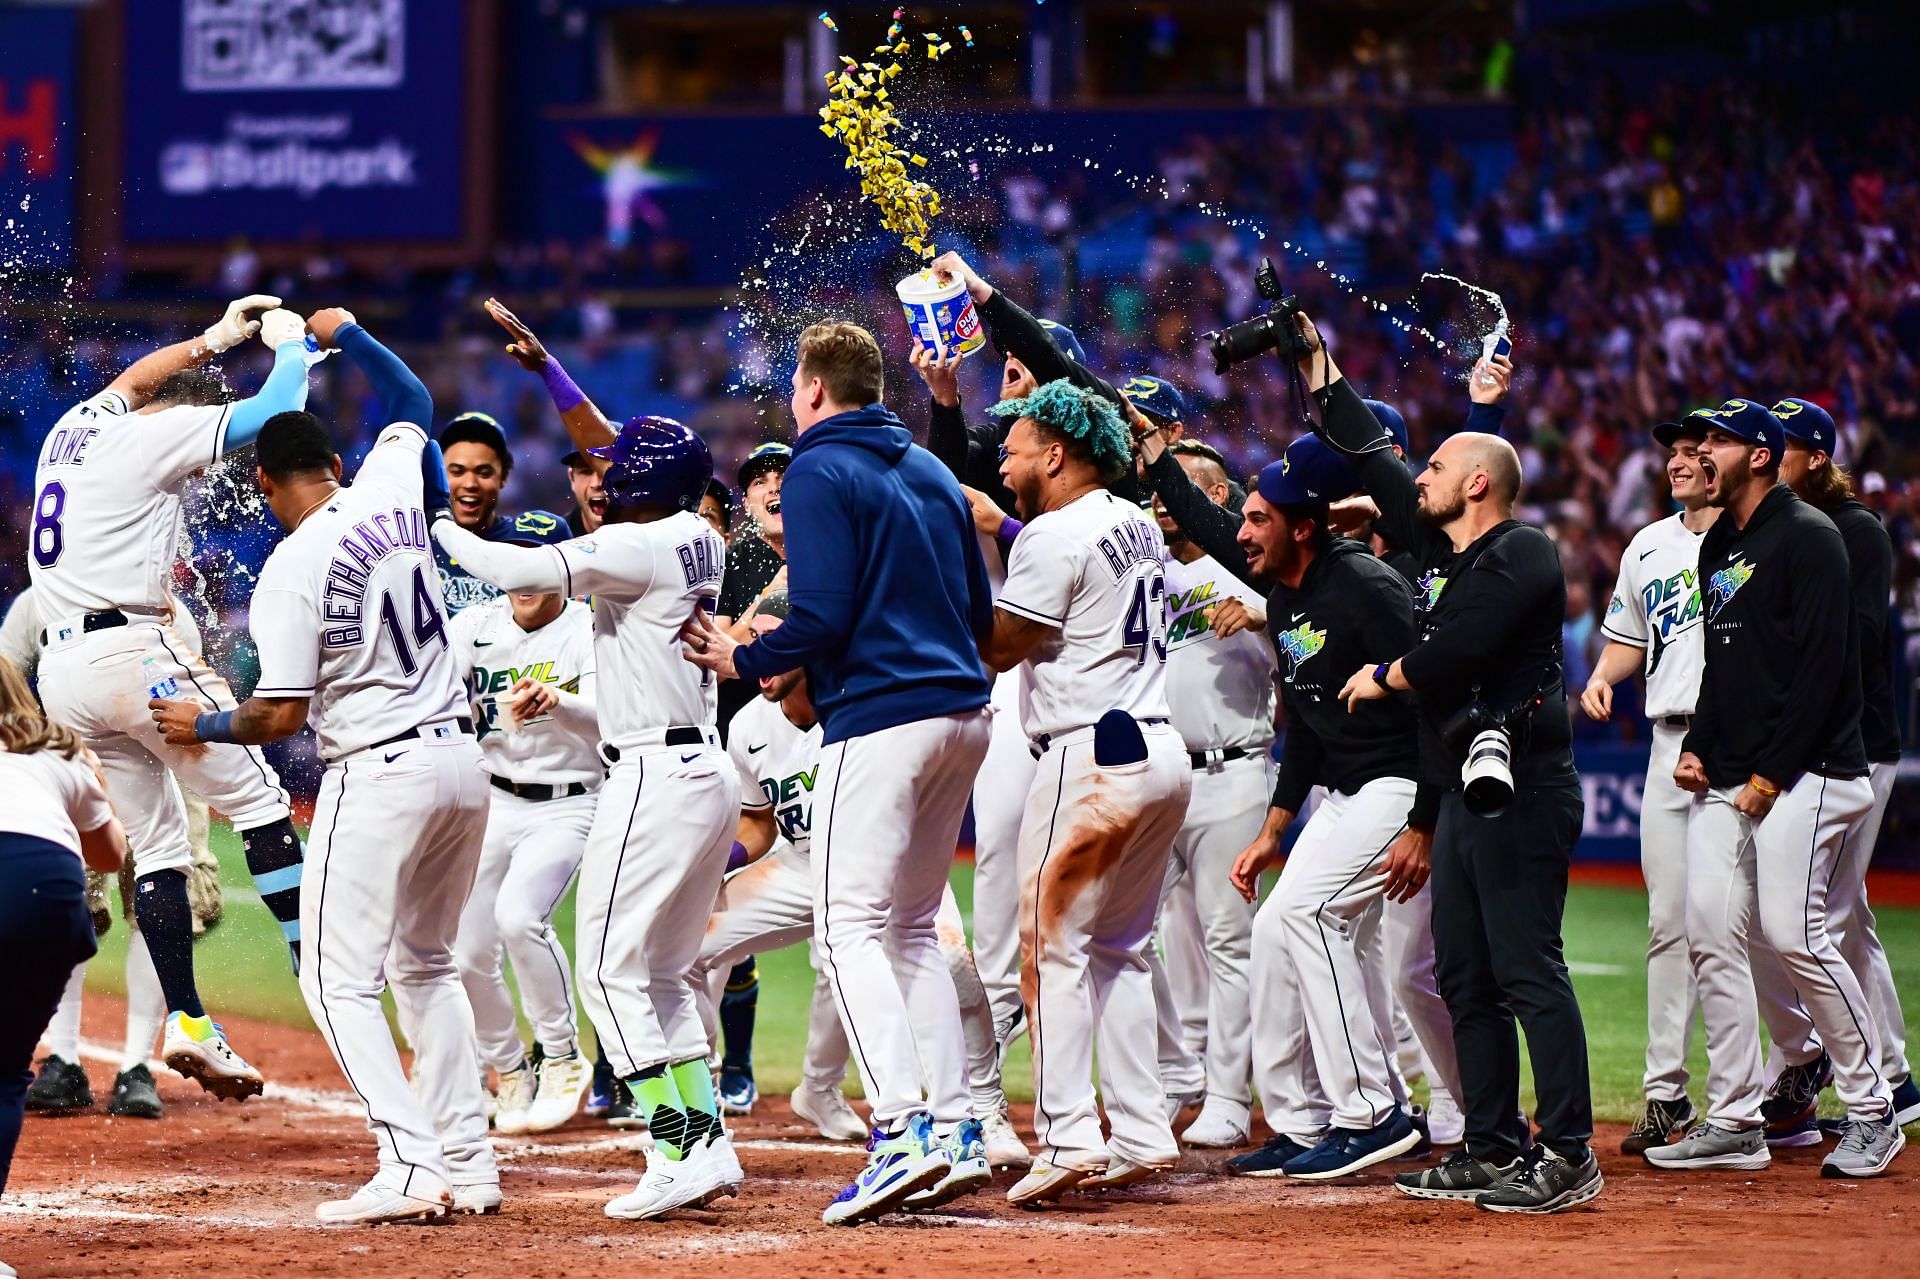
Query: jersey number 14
{"points": [[1146, 626], [428, 625]]}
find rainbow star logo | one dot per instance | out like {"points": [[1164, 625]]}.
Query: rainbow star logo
{"points": [[628, 181]]}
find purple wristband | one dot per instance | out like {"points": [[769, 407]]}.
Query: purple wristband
{"points": [[738, 857], [561, 387], [1010, 529]]}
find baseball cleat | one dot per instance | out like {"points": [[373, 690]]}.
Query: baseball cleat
{"points": [[1044, 1184], [1546, 1182], [481, 1199], [134, 1096], [1866, 1149], [1344, 1151], [1004, 1147], [514, 1097], [736, 1092], [560, 1083], [1792, 1136], [1121, 1172], [967, 1168], [828, 1110], [600, 1096], [1791, 1101], [1906, 1102], [625, 1111], [1661, 1124], [898, 1165], [61, 1088], [378, 1203], [1221, 1125], [1458, 1176], [666, 1185], [1708, 1145], [196, 1048], [1446, 1125], [1268, 1160]]}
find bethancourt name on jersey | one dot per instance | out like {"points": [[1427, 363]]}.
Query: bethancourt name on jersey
{"points": [[363, 546]]}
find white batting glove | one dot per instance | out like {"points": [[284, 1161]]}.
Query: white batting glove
{"points": [[280, 326], [237, 325]]}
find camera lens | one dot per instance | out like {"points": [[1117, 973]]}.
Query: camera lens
{"points": [[1486, 780]]}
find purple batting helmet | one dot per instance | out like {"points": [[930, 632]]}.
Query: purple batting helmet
{"points": [[655, 461]]}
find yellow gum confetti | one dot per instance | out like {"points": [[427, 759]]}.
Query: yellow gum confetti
{"points": [[828, 22]]}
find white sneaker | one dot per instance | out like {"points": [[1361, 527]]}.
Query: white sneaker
{"points": [[1221, 1125], [1004, 1147], [1121, 1172], [514, 1098], [481, 1199], [667, 1184], [8, 1272], [1446, 1124], [378, 1202], [723, 1163], [196, 1048], [828, 1110], [1180, 1100], [1045, 1183], [562, 1082]]}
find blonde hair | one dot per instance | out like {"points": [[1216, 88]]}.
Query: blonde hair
{"points": [[846, 359], [24, 729]]}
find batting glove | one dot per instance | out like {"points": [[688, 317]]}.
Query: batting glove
{"points": [[435, 497], [237, 325], [280, 326]]}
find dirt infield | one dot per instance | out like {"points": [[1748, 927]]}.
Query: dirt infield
{"points": [[217, 1190]]}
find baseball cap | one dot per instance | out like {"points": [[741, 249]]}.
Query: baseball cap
{"points": [[1807, 422], [765, 458], [1743, 420], [1388, 416], [1064, 336], [535, 528], [1309, 471], [477, 428], [1158, 398], [775, 604], [577, 460], [1665, 433]]}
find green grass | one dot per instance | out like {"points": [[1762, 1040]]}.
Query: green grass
{"points": [[243, 971]]}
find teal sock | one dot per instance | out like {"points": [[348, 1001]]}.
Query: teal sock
{"points": [[695, 1083], [666, 1116]]}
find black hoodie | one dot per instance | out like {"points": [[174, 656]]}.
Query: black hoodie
{"points": [[1870, 564]]}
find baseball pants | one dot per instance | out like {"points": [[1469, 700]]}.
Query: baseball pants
{"points": [[390, 861], [530, 855], [1228, 805], [1093, 855], [1672, 998], [1322, 1028], [1774, 874], [999, 798], [97, 684], [1406, 930], [655, 857], [1177, 960]]}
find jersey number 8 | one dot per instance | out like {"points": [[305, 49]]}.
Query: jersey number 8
{"points": [[49, 539], [1146, 624]]}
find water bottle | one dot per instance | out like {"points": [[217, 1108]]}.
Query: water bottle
{"points": [[1496, 342], [160, 685]]}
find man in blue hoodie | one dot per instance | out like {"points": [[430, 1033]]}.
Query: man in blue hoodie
{"points": [[889, 594]]}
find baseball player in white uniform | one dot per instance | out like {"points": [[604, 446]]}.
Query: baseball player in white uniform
{"points": [[665, 821], [529, 665], [353, 639], [107, 529], [1654, 623], [1084, 608]]}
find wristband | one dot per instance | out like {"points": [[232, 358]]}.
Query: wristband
{"points": [[1763, 786], [1010, 529], [738, 857], [214, 726], [566, 395], [1380, 675]]}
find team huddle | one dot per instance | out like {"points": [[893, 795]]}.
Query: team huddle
{"points": [[731, 735]]}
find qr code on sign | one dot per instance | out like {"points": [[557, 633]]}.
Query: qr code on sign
{"points": [[292, 44]]}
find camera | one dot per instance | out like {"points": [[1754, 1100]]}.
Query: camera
{"points": [[1486, 779], [1272, 330]]}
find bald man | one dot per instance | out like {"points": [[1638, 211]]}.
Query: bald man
{"points": [[1486, 679]]}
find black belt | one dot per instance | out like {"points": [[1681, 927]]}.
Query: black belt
{"points": [[466, 726], [1202, 759], [1676, 721], [683, 736], [104, 620], [1037, 746], [539, 791]]}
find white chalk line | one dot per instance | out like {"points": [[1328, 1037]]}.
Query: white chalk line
{"points": [[1586, 968]]}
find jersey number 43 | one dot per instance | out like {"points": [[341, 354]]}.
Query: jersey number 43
{"points": [[1145, 629]]}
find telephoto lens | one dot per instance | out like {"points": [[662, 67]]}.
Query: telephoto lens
{"points": [[1486, 779]]}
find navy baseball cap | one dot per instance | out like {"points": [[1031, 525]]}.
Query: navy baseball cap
{"points": [[1744, 420], [1064, 336], [1665, 433], [535, 528], [1308, 472], [765, 458], [478, 428], [1158, 398], [1388, 416], [1807, 422]]}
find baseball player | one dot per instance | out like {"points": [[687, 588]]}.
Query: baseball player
{"points": [[1809, 469], [478, 463], [1084, 608], [106, 522], [529, 665], [1654, 623], [353, 637], [775, 743], [1775, 757], [662, 829]]}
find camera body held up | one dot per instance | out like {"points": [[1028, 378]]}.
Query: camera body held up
{"points": [[1272, 330]]}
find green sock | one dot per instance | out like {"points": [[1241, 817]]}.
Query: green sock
{"points": [[695, 1083], [666, 1114]]}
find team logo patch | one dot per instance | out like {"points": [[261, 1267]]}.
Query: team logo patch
{"points": [[1725, 584], [1618, 605], [1430, 585], [1297, 645]]}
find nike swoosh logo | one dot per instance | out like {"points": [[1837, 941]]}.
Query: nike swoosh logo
{"points": [[483, 643], [688, 759], [1296, 617], [755, 750], [1644, 554], [392, 757]]}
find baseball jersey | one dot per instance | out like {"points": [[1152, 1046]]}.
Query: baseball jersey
{"points": [[459, 589], [1095, 571], [1220, 690], [51, 797], [1656, 607], [347, 610], [106, 504], [493, 653], [779, 762]]}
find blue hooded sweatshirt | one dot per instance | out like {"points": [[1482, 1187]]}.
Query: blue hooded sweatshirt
{"points": [[888, 589]]}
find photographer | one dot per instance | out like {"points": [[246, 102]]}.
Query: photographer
{"points": [[1488, 601]]}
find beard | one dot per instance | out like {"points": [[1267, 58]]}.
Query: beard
{"points": [[1432, 512]]}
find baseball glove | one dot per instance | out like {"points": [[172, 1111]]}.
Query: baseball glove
{"points": [[97, 902], [203, 877]]}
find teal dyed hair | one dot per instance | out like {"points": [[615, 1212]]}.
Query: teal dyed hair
{"points": [[1078, 414]]}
